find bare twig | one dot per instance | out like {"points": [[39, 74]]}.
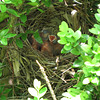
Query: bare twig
{"points": [[47, 80]]}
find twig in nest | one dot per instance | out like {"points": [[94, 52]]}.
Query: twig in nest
{"points": [[47, 80]]}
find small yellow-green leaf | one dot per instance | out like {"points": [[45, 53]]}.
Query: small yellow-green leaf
{"points": [[63, 27]]}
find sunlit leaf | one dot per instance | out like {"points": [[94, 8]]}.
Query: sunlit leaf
{"points": [[75, 51], [86, 81], [95, 80], [78, 63], [98, 73], [9, 35], [97, 26], [4, 41], [77, 35], [90, 41], [37, 84], [62, 40], [3, 8], [94, 31], [67, 46], [97, 16], [4, 32], [60, 0], [32, 91], [86, 48], [33, 0], [97, 56], [63, 27], [84, 96], [61, 34]]}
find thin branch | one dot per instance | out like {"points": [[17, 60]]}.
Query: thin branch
{"points": [[47, 80]]}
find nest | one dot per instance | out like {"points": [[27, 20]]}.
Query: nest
{"points": [[57, 68]]}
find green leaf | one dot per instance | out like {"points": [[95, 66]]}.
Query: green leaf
{"points": [[3, 8], [95, 80], [97, 16], [89, 87], [9, 35], [4, 41], [33, 0], [78, 63], [65, 51], [90, 41], [98, 10], [77, 35], [61, 34], [19, 43], [4, 32], [6, 91], [60, 0], [16, 2], [42, 11], [0, 72], [86, 48], [37, 84], [36, 98], [97, 56], [87, 63], [42, 91], [75, 51], [95, 46], [63, 27], [86, 81], [33, 3], [24, 37], [62, 40], [37, 37], [3, 16], [3, 97], [84, 95], [23, 18], [98, 72], [94, 31], [97, 26], [32, 91], [74, 92], [1, 88], [7, 1], [12, 11], [70, 39], [47, 2], [67, 46]]}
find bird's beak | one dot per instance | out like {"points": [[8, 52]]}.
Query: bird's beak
{"points": [[52, 38]]}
